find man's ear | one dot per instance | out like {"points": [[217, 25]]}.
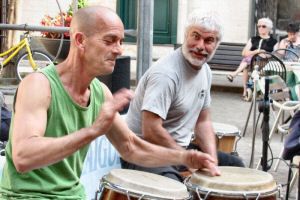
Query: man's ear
{"points": [[79, 39]]}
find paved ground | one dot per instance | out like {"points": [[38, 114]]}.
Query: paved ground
{"points": [[227, 107]]}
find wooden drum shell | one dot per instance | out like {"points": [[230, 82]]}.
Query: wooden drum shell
{"points": [[225, 136]]}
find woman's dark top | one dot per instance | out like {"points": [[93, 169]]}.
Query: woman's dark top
{"points": [[267, 44]]}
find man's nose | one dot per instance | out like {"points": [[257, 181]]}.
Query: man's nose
{"points": [[117, 49], [200, 45]]}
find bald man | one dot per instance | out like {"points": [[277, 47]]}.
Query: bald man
{"points": [[60, 110]]}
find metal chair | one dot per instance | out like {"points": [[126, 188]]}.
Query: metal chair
{"points": [[287, 55], [268, 64]]}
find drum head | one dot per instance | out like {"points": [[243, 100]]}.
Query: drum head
{"points": [[235, 180], [225, 129], [147, 184]]}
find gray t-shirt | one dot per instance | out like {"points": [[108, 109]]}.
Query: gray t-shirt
{"points": [[176, 92]]}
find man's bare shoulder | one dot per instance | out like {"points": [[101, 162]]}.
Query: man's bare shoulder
{"points": [[35, 80], [35, 86], [107, 92]]}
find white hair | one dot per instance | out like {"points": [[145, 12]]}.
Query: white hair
{"points": [[266, 21], [208, 20]]}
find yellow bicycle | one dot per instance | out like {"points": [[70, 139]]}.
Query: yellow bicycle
{"points": [[28, 62]]}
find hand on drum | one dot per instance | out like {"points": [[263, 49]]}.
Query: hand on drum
{"points": [[198, 160]]}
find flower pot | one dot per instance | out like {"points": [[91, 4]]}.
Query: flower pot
{"points": [[52, 46]]}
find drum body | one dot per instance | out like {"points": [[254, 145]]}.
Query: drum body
{"points": [[234, 183], [124, 184], [225, 136]]}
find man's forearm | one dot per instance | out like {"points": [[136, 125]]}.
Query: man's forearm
{"points": [[160, 136], [206, 139]]}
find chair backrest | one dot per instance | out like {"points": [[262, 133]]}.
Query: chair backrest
{"points": [[278, 90], [287, 55], [268, 65]]}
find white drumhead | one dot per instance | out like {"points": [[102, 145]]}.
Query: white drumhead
{"points": [[147, 183], [235, 180], [225, 129]]}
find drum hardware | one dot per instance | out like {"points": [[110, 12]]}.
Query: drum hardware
{"points": [[280, 192], [234, 152], [198, 194], [99, 191], [120, 189]]}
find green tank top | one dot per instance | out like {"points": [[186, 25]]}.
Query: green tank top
{"points": [[60, 180]]}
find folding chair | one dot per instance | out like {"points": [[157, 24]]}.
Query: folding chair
{"points": [[268, 64], [287, 55]]}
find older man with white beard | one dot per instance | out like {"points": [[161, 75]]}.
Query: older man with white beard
{"points": [[172, 99]]}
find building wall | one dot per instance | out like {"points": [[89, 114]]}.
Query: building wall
{"points": [[31, 12], [32, 15], [234, 15]]}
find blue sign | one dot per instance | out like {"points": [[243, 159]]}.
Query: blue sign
{"points": [[101, 158]]}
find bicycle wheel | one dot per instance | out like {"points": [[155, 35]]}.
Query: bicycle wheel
{"points": [[23, 67]]}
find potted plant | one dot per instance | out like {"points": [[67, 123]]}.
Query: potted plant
{"points": [[51, 41]]}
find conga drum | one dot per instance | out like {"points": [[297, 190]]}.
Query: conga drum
{"points": [[225, 136], [124, 184], [234, 183]]}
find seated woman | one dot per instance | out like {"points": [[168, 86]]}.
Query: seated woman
{"points": [[262, 42], [292, 42]]}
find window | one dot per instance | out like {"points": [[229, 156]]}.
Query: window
{"points": [[165, 19], [288, 10]]}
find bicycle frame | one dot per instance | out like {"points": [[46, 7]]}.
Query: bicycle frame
{"points": [[15, 49]]}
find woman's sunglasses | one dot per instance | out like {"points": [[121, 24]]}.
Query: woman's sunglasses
{"points": [[262, 26]]}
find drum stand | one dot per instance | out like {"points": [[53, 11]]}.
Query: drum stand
{"points": [[255, 77]]}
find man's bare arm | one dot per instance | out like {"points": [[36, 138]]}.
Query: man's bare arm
{"points": [[204, 134], [138, 151], [154, 132], [30, 149]]}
